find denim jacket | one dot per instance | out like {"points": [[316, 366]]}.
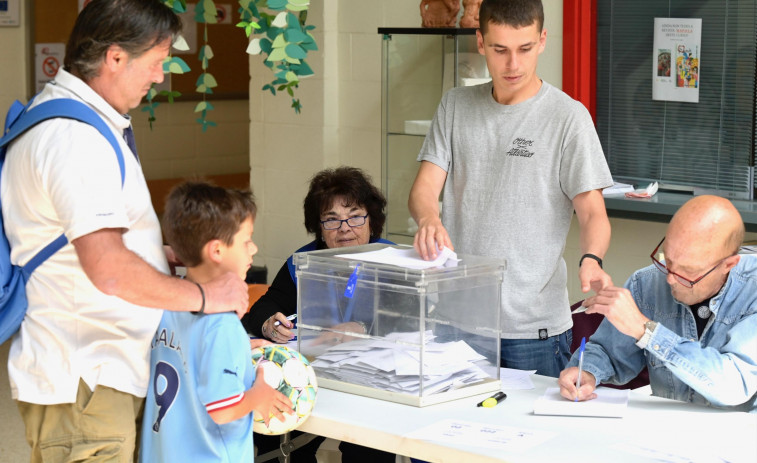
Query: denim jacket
{"points": [[719, 370]]}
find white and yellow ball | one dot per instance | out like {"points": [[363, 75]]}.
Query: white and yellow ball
{"points": [[287, 371]]}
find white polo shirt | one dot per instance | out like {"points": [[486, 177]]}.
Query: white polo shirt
{"points": [[62, 176]]}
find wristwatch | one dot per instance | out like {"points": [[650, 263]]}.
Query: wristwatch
{"points": [[649, 327]]}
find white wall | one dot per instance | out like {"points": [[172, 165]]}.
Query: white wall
{"points": [[14, 60], [176, 146]]}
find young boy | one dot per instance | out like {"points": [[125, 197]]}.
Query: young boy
{"points": [[201, 391]]}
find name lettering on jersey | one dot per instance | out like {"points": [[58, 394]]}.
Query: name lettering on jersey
{"points": [[162, 337], [521, 148]]}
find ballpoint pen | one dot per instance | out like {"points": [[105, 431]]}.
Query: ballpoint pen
{"points": [[580, 365], [290, 318]]}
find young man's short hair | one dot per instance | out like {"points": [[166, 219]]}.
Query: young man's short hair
{"points": [[513, 13], [198, 212]]}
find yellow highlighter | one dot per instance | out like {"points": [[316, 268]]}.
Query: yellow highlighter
{"points": [[493, 400]]}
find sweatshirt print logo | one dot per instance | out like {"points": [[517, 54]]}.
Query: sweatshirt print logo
{"points": [[521, 147]]}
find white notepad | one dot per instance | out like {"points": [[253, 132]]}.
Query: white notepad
{"points": [[610, 403]]}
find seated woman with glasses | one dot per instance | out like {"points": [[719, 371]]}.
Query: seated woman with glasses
{"points": [[342, 208]]}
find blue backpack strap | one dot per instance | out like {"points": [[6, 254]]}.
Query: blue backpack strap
{"points": [[42, 256], [19, 120], [13, 112], [66, 108]]}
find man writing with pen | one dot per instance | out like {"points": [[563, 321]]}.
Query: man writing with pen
{"points": [[690, 318]]}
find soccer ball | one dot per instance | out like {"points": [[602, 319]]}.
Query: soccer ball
{"points": [[289, 372]]}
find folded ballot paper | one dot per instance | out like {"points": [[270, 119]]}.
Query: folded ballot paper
{"points": [[407, 258]]}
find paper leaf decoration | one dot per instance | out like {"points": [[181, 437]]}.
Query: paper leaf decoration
{"points": [[180, 43], [254, 47]]}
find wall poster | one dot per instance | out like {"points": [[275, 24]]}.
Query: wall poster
{"points": [[677, 59]]}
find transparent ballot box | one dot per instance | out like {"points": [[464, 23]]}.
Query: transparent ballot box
{"points": [[414, 336]]}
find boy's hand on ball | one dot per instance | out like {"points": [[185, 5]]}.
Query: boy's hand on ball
{"points": [[270, 402]]}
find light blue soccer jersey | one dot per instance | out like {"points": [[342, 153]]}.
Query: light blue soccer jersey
{"points": [[198, 363]]}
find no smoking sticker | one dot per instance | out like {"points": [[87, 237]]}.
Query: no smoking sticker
{"points": [[50, 66], [47, 60]]}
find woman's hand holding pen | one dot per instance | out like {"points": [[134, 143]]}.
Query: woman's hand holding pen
{"points": [[278, 328]]}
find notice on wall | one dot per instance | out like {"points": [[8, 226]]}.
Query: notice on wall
{"points": [[48, 58], [677, 59], [9, 13]]}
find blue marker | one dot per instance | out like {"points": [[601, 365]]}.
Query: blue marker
{"points": [[580, 364]]}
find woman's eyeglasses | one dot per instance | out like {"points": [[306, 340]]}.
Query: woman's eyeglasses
{"points": [[333, 224]]}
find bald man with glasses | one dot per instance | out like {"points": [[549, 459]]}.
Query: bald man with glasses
{"points": [[690, 318]]}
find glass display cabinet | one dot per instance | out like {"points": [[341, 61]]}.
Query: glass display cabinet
{"points": [[418, 66]]}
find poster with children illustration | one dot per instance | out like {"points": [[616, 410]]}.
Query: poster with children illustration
{"points": [[677, 59]]}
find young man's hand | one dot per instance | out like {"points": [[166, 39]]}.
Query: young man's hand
{"points": [[592, 277], [431, 238]]}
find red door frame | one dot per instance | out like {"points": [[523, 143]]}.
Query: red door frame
{"points": [[579, 59]]}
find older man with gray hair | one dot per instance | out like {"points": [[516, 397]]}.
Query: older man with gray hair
{"points": [[79, 366]]}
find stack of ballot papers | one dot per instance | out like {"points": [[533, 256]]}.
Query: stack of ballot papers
{"points": [[394, 364]]}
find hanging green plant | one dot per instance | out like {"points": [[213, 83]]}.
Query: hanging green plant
{"points": [[205, 13], [286, 43], [171, 65]]}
